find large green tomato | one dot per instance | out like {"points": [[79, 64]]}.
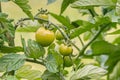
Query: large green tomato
{"points": [[44, 36], [65, 50]]}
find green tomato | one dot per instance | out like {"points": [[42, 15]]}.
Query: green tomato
{"points": [[44, 36]]}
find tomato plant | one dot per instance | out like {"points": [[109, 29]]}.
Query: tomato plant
{"points": [[77, 40]]}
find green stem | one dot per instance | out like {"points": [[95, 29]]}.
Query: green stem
{"points": [[34, 61], [65, 36], [94, 38], [81, 40], [92, 12]]}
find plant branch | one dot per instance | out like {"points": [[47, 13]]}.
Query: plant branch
{"points": [[94, 38], [65, 36], [34, 61], [92, 12], [81, 40]]}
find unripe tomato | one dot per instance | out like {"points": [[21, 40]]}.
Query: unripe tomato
{"points": [[42, 16], [58, 35], [65, 50], [67, 61], [44, 36]]}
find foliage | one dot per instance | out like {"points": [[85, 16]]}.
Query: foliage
{"points": [[91, 33]]}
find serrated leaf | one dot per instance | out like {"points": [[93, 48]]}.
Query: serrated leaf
{"points": [[25, 72], [62, 20], [103, 47], [92, 3], [23, 4], [89, 72], [11, 62], [27, 29], [57, 57], [11, 49], [50, 1], [50, 76], [84, 27], [34, 49], [51, 64]]}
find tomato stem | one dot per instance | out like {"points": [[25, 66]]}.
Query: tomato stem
{"points": [[94, 38]]}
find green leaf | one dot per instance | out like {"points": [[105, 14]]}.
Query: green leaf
{"points": [[87, 36], [51, 64], [115, 75], [84, 27], [50, 76], [62, 20], [51, 1], [26, 72], [11, 49], [117, 40], [65, 4], [11, 78], [118, 7], [34, 49], [23, 4], [88, 72], [114, 32], [4, 0], [11, 62], [27, 29], [92, 3], [57, 57], [103, 47], [113, 59]]}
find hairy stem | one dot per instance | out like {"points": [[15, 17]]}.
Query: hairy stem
{"points": [[80, 40], [93, 39], [34, 61]]}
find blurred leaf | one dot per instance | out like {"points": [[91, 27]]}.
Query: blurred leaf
{"points": [[103, 47], [11, 49], [25, 72], [51, 1], [62, 20], [65, 4], [84, 27], [51, 64], [87, 35], [27, 29], [115, 75], [11, 62], [118, 7], [113, 60], [114, 32], [23, 4], [34, 49], [50, 76], [117, 40], [10, 78], [88, 72], [4, 0], [92, 3]]}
